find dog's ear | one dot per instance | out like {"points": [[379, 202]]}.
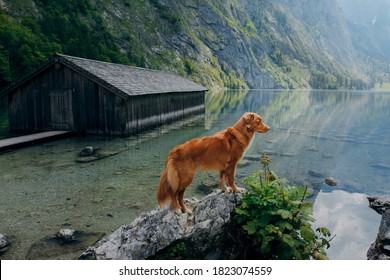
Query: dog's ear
{"points": [[248, 118]]}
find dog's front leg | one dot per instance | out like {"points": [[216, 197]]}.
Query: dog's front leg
{"points": [[230, 173], [222, 180]]}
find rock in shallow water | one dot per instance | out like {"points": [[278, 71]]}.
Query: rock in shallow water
{"points": [[380, 205], [55, 247], [380, 249], [154, 231], [87, 151], [5, 241], [331, 181], [66, 234]]}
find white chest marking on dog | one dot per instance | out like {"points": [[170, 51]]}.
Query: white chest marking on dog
{"points": [[249, 145]]}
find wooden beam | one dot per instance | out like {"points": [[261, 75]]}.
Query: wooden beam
{"points": [[15, 142]]}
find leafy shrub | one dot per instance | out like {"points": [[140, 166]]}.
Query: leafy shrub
{"points": [[278, 220]]}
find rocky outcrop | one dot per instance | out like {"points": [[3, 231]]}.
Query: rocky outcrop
{"points": [[380, 205], [164, 234], [380, 249]]}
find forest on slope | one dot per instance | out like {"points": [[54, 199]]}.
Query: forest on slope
{"points": [[218, 43]]}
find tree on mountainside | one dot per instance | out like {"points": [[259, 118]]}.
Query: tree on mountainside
{"points": [[72, 27], [22, 47]]}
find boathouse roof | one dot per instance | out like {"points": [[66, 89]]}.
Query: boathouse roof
{"points": [[123, 80]]}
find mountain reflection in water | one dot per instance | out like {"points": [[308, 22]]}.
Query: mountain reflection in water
{"points": [[314, 135]]}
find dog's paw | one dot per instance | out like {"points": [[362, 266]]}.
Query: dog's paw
{"points": [[238, 190], [188, 211], [223, 188]]}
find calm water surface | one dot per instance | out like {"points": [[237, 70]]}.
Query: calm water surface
{"points": [[314, 134]]}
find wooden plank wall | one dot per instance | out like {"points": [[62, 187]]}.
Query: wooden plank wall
{"points": [[28, 110], [145, 112]]}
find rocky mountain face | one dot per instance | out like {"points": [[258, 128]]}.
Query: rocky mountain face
{"points": [[369, 28], [218, 43]]}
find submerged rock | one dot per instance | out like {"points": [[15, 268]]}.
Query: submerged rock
{"points": [[5, 241], [155, 232], [61, 247], [316, 174], [207, 186], [66, 234], [244, 163], [97, 156], [331, 181], [87, 151], [380, 249]]}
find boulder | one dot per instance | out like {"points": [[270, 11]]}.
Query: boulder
{"points": [[380, 205], [162, 233], [380, 249]]}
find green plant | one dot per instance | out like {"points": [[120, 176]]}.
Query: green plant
{"points": [[178, 250], [278, 220]]}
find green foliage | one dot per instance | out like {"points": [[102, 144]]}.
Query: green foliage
{"points": [[321, 80], [72, 27], [175, 251], [189, 67], [22, 47], [166, 13], [80, 30], [279, 59], [278, 220], [178, 250]]}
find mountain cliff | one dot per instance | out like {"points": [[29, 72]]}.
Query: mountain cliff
{"points": [[369, 27], [218, 43]]}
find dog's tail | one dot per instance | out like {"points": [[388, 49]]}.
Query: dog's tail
{"points": [[169, 183]]}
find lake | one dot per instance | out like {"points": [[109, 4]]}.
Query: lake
{"points": [[314, 135]]}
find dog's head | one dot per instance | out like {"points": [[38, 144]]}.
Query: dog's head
{"points": [[254, 122]]}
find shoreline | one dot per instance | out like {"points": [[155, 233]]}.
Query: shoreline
{"points": [[380, 248]]}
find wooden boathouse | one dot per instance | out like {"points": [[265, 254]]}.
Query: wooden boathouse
{"points": [[93, 97]]}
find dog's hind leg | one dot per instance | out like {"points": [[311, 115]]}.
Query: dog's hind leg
{"points": [[183, 177], [187, 174], [174, 203], [184, 208]]}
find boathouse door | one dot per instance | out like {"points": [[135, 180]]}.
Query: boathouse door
{"points": [[61, 111]]}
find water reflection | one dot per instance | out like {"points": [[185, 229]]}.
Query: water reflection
{"points": [[348, 216], [314, 134], [341, 134], [317, 134]]}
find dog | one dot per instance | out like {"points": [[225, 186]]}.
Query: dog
{"points": [[219, 152]]}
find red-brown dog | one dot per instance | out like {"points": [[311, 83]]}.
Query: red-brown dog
{"points": [[220, 152]]}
